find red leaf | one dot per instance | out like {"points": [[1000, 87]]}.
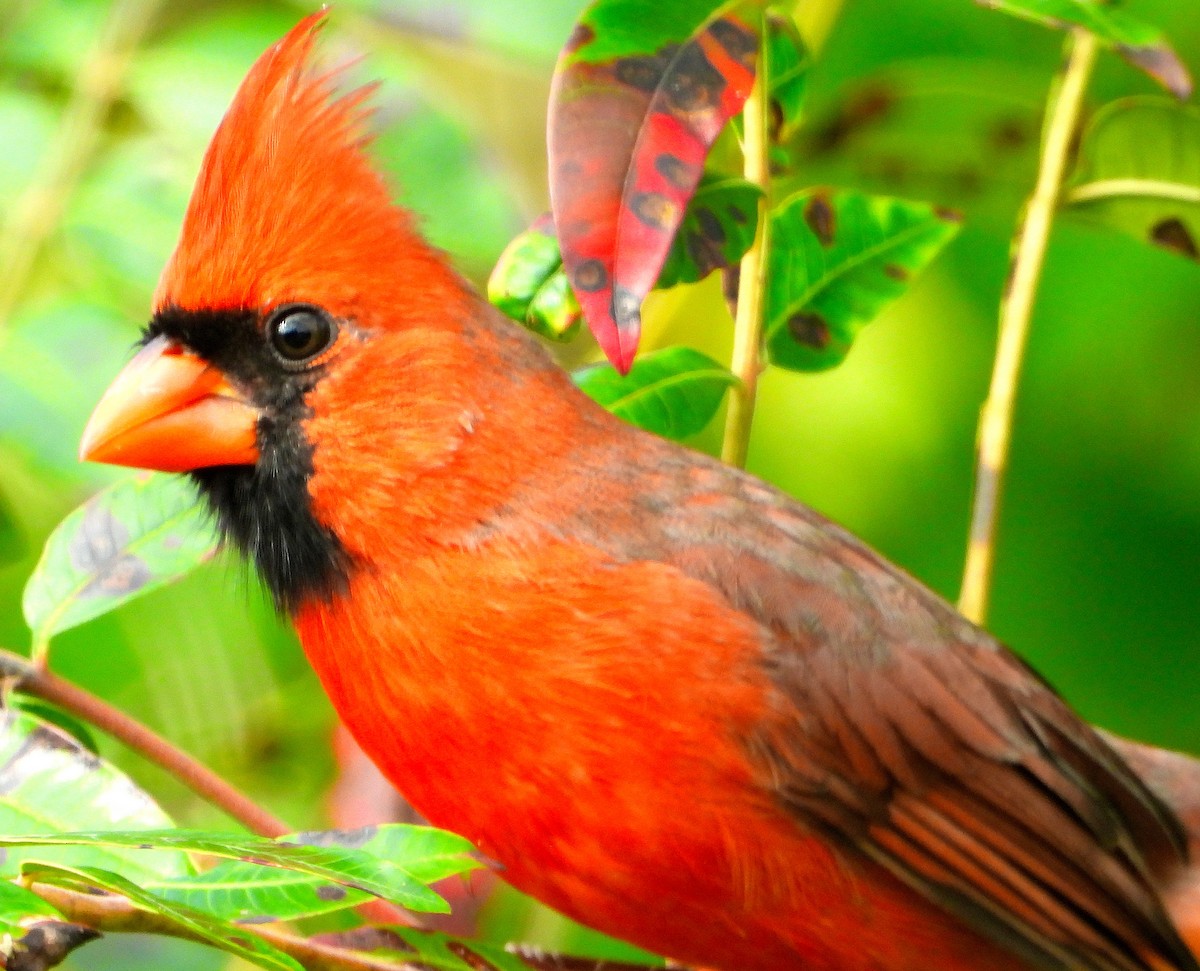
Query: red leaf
{"points": [[628, 138]]}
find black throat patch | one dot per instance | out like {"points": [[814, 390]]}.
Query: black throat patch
{"points": [[264, 509]]}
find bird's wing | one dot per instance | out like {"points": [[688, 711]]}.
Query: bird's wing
{"points": [[907, 732]]}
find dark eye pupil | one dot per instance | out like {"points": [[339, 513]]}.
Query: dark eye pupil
{"points": [[301, 334]]}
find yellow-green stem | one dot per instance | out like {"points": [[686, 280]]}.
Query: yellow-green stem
{"points": [[746, 362], [1016, 310]]}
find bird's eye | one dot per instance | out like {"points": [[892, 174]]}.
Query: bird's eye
{"points": [[299, 333]]}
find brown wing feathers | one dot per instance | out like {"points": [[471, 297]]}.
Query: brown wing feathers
{"points": [[908, 733], [984, 792]]}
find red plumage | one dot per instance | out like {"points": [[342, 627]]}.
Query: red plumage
{"points": [[669, 700]]}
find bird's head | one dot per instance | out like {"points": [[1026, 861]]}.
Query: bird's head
{"points": [[310, 358]]}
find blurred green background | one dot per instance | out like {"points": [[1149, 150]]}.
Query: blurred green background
{"points": [[105, 109]]}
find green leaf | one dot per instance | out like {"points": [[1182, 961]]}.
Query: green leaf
{"points": [[788, 64], [46, 712], [716, 232], [423, 852], [528, 284], [189, 922], [1141, 44], [19, 907], [673, 392], [836, 260], [919, 129], [133, 537], [1139, 171], [236, 890], [640, 94], [409, 947], [50, 784], [343, 865], [233, 890], [11, 544]]}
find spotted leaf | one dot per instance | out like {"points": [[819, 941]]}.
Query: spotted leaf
{"points": [[239, 890], [51, 784], [640, 93], [673, 392], [131, 538], [340, 863], [716, 231], [836, 260], [1141, 44], [1139, 171], [186, 921], [788, 64]]}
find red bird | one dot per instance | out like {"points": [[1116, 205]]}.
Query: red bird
{"points": [[672, 702]]}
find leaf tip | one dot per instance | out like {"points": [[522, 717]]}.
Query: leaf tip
{"points": [[1162, 64]]}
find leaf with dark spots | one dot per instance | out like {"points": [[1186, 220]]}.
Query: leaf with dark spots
{"points": [[1172, 234], [863, 109], [529, 286], [819, 215], [277, 877], [131, 538], [632, 117], [355, 869], [673, 392], [1139, 172], [1141, 44], [50, 784], [788, 65], [836, 259], [811, 330], [716, 232], [187, 921]]}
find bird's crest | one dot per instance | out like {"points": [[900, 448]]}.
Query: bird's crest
{"points": [[287, 205]]}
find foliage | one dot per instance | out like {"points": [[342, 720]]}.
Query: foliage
{"points": [[900, 112]]}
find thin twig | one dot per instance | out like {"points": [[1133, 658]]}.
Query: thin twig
{"points": [[111, 913], [41, 683], [43, 202], [747, 332], [1016, 309]]}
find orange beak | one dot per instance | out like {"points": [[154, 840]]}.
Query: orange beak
{"points": [[171, 411]]}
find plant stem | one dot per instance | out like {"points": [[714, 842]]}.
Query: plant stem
{"points": [[41, 206], [41, 683], [752, 280], [1016, 309], [109, 913]]}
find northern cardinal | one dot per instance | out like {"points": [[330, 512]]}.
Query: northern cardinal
{"points": [[672, 702]]}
